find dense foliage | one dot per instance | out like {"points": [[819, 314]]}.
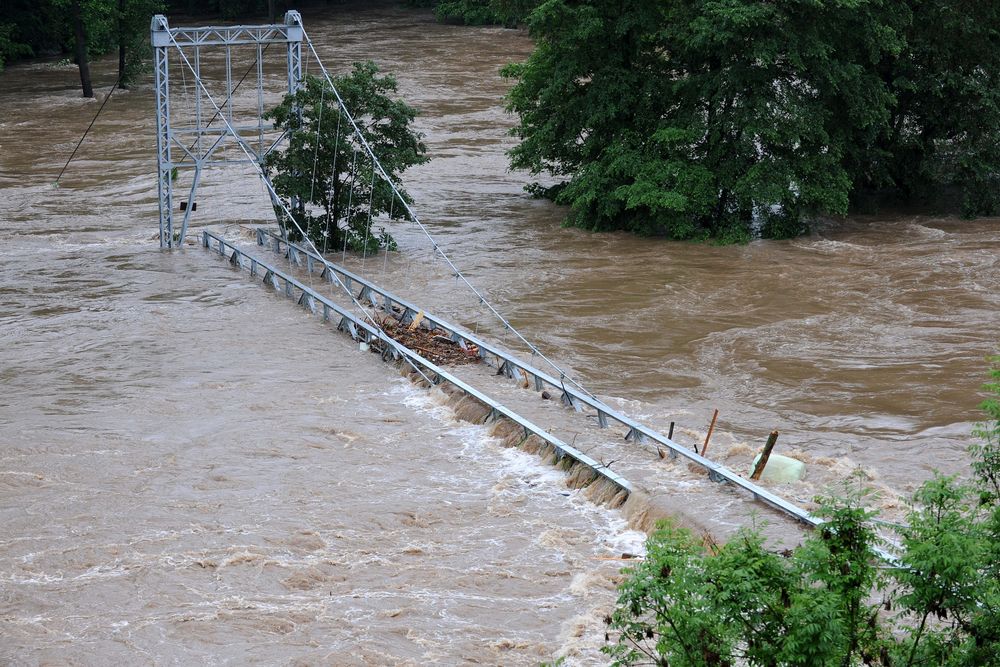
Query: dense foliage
{"points": [[43, 27], [735, 118], [326, 175], [834, 600], [9, 48], [479, 12]]}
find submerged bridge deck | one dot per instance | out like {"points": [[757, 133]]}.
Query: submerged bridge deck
{"points": [[585, 431]]}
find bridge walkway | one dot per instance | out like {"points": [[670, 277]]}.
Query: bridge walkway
{"points": [[663, 484]]}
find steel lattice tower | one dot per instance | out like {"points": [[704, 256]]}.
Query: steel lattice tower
{"points": [[190, 135]]}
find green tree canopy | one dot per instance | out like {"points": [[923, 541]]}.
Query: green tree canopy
{"points": [[325, 173], [731, 118], [47, 26], [479, 12], [9, 48]]}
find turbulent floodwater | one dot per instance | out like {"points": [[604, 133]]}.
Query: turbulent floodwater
{"points": [[195, 471]]}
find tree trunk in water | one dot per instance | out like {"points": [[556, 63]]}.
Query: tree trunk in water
{"points": [[122, 82], [81, 50]]}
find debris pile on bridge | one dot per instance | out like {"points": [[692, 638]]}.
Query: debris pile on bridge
{"points": [[429, 343]]}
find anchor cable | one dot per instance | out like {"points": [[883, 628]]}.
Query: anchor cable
{"points": [[86, 132]]}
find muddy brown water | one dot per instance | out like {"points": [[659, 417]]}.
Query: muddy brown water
{"points": [[193, 471]]}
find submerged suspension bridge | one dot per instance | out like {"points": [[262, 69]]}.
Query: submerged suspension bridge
{"points": [[214, 128]]}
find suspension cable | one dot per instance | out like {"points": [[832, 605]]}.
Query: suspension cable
{"points": [[437, 248], [368, 228], [333, 172], [319, 136], [350, 199], [385, 262], [86, 132]]}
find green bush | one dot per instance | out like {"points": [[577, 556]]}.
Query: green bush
{"points": [[835, 600]]}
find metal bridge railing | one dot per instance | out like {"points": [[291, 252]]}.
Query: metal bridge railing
{"points": [[359, 329], [511, 365]]}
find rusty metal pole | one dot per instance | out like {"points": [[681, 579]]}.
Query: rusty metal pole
{"points": [[704, 448], [764, 456]]}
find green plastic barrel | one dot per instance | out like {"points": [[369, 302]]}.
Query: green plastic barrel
{"points": [[781, 469]]}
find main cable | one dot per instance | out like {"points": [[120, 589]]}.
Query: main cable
{"points": [[413, 216], [87, 131]]}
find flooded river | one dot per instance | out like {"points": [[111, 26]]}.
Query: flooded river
{"points": [[193, 471]]}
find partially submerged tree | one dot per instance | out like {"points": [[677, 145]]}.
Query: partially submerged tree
{"points": [[833, 601], [324, 172], [80, 48], [85, 28], [698, 118]]}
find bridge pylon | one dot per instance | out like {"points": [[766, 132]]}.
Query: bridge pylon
{"points": [[189, 135]]}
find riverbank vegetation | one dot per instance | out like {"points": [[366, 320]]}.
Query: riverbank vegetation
{"points": [[80, 28], [932, 597], [84, 29], [699, 119], [508, 13]]}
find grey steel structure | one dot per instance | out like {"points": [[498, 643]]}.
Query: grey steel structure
{"points": [[360, 329], [206, 143], [191, 136], [514, 368]]}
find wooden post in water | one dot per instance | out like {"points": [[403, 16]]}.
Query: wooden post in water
{"points": [[764, 456], [704, 448]]}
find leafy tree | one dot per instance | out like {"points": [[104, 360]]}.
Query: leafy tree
{"points": [[80, 47], [9, 47], [945, 121], [31, 28], [689, 606], [832, 601], [700, 118], [132, 37], [325, 173], [479, 12], [86, 28]]}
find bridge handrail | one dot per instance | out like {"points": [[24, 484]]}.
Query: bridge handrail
{"points": [[570, 394], [237, 258]]}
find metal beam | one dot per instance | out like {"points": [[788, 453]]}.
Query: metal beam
{"points": [[164, 183], [637, 432], [358, 328]]}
